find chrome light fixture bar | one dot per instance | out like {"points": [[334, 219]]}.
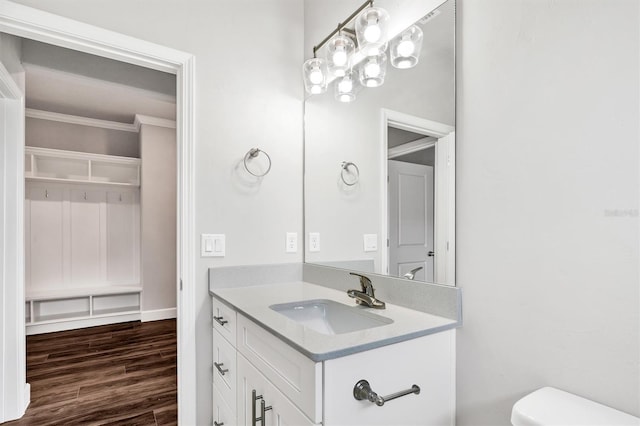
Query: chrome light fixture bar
{"points": [[368, 42]]}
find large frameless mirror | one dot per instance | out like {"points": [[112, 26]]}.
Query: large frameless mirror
{"points": [[379, 178]]}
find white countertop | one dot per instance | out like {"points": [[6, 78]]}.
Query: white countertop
{"points": [[254, 301]]}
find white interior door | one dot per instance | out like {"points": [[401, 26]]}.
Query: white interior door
{"points": [[411, 196]]}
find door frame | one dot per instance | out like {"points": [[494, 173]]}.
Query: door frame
{"points": [[444, 182], [30, 23]]}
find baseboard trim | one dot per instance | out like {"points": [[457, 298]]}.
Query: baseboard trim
{"points": [[158, 314], [26, 398]]}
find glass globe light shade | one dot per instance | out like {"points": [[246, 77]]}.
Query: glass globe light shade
{"points": [[405, 49], [373, 70], [314, 74], [345, 88], [371, 30], [339, 51]]}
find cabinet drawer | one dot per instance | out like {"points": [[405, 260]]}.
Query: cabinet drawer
{"points": [[224, 320], [295, 375], [428, 362], [282, 412], [222, 414], [224, 369]]}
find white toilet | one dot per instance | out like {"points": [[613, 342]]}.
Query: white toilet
{"points": [[553, 407]]}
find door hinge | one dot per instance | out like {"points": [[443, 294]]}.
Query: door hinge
{"points": [[387, 242], [180, 284]]}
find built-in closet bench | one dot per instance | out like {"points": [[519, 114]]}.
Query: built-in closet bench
{"points": [[65, 309]]}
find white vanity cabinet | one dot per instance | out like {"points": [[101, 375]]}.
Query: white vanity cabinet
{"points": [[261, 403], [296, 390]]}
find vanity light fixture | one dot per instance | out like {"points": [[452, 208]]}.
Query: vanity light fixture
{"points": [[341, 47], [405, 48], [367, 42]]}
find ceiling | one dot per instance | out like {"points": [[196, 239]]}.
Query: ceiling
{"points": [[69, 82]]}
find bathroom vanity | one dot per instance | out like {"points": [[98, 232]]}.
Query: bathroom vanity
{"points": [[293, 352]]}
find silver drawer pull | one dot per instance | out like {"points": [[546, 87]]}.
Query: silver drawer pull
{"points": [[362, 390], [220, 369], [217, 424], [220, 321], [263, 409]]}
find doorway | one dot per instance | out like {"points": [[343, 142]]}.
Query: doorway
{"points": [[411, 206], [418, 164], [28, 23]]}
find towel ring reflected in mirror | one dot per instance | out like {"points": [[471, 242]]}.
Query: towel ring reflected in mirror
{"points": [[346, 166], [253, 153]]}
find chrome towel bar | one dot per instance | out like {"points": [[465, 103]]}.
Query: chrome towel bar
{"points": [[362, 390]]}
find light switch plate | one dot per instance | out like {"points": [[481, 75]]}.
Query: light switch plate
{"points": [[212, 245], [292, 242], [314, 241], [370, 242]]}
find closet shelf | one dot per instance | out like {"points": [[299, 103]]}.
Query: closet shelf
{"points": [[55, 165]]}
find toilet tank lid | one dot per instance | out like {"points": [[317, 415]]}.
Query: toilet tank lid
{"points": [[550, 406]]}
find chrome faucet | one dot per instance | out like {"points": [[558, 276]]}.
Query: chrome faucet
{"points": [[412, 273], [366, 296]]}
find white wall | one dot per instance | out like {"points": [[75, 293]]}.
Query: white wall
{"points": [[158, 217], [249, 93], [547, 151], [73, 137], [337, 132]]}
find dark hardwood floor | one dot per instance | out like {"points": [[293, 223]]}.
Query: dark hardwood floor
{"points": [[120, 374]]}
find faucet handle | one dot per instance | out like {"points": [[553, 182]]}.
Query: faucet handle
{"points": [[365, 283]]}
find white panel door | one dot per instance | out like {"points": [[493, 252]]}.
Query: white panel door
{"points": [[85, 241], [45, 246], [123, 237], [411, 196]]}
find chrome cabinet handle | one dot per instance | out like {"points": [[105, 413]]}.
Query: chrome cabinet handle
{"points": [[220, 321], [220, 369], [217, 424], [263, 409], [362, 390]]}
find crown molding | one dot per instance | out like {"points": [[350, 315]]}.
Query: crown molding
{"points": [[81, 121], [152, 121], [411, 147]]}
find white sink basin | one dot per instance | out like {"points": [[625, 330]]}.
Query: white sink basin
{"points": [[329, 317]]}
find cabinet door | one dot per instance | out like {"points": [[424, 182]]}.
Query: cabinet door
{"points": [[222, 414], [428, 362], [225, 370], [282, 412]]}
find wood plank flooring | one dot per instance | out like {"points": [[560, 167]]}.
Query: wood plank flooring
{"points": [[120, 374]]}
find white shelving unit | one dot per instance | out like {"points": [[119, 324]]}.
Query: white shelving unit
{"points": [[82, 221], [65, 309], [54, 165]]}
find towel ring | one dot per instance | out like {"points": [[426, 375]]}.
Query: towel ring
{"points": [[253, 153], [345, 168]]}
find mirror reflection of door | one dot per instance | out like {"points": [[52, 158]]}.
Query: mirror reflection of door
{"points": [[411, 206]]}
